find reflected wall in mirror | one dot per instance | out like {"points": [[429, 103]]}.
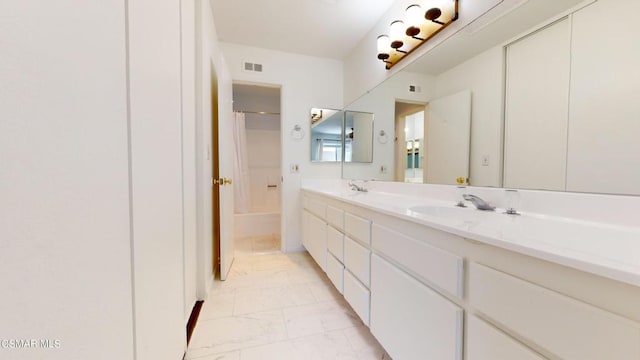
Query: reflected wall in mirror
{"points": [[326, 135], [583, 138], [358, 137], [433, 140]]}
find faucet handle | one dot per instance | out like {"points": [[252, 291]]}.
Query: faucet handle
{"points": [[460, 190], [512, 201]]}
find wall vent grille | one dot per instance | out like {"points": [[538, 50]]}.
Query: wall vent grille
{"points": [[251, 67]]}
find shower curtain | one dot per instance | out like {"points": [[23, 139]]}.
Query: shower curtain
{"points": [[241, 165], [319, 148]]}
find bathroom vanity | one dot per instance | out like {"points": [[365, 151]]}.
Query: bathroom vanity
{"points": [[436, 281]]}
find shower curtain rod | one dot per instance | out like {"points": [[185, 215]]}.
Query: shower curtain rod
{"points": [[258, 112]]}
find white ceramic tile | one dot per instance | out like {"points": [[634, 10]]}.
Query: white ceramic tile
{"points": [[280, 351], [319, 323], [219, 304], [326, 346], [318, 318], [364, 344], [323, 290], [233, 355], [265, 244], [237, 332], [254, 279], [305, 275], [263, 299]]}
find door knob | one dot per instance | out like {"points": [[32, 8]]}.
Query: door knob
{"points": [[226, 181], [218, 181]]}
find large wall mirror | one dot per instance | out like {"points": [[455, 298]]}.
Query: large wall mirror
{"points": [[338, 135], [326, 135], [535, 97]]}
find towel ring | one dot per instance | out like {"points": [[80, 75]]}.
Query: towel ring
{"points": [[297, 133], [382, 137]]}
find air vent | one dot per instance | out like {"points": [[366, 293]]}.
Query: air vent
{"points": [[251, 67], [415, 89]]}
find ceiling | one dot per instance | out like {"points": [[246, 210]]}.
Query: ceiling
{"points": [[323, 28]]}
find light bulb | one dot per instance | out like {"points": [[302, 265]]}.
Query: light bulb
{"points": [[384, 47], [397, 34], [413, 18]]}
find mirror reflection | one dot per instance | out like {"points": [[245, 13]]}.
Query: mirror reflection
{"points": [[326, 135], [358, 137], [554, 105]]}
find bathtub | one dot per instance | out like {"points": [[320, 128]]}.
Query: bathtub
{"points": [[257, 224]]}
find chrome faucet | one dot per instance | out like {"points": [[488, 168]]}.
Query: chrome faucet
{"points": [[478, 202], [355, 186]]}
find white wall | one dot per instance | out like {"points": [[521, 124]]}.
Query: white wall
{"points": [[483, 76], [156, 177], [65, 247], [91, 146], [189, 154], [306, 82], [263, 149]]}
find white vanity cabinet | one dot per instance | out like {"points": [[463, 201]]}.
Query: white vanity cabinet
{"points": [[357, 264], [560, 325], [315, 237], [485, 342], [335, 247], [409, 319], [427, 293]]}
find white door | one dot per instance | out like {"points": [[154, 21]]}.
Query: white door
{"points": [[537, 108], [223, 102], [448, 134]]}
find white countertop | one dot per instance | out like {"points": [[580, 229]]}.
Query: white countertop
{"points": [[608, 250]]}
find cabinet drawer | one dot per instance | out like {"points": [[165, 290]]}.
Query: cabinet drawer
{"points": [[358, 228], [335, 272], [316, 207], [357, 295], [335, 243], [335, 217], [314, 237], [357, 259], [410, 320], [442, 268], [568, 328], [486, 342]]}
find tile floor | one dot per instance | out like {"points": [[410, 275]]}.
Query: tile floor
{"points": [[257, 245], [279, 306]]}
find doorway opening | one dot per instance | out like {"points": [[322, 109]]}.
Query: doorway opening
{"points": [[410, 147], [257, 169]]}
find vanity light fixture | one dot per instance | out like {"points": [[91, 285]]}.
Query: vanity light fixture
{"points": [[418, 27]]}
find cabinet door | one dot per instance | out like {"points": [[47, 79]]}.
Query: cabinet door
{"points": [[335, 272], [431, 325], [357, 295], [335, 243], [357, 260], [315, 238], [564, 326], [486, 342]]}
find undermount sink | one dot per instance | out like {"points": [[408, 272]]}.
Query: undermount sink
{"points": [[452, 215], [441, 211]]}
